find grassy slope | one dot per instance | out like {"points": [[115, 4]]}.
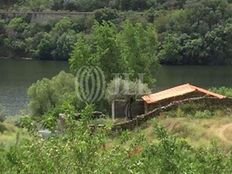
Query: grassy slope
{"points": [[10, 134], [198, 132]]}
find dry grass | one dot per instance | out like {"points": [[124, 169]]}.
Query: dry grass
{"points": [[198, 132]]}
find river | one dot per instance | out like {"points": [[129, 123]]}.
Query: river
{"points": [[17, 75]]}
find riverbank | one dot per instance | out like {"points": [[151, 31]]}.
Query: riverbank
{"points": [[30, 59], [19, 58]]}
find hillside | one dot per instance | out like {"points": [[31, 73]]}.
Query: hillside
{"points": [[90, 5], [148, 149], [197, 132], [188, 32]]}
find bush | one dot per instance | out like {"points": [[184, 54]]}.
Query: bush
{"points": [[85, 151], [46, 94], [196, 110], [2, 114], [119, 89], [223, 91], [203, 114], [67, 107], [3, 128], [106, 14]]}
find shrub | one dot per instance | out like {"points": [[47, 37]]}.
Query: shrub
{"points": [[203, 114], [46, 94], [84, 151], [3, 128], [223, 91], [67, 107], [106, 14], [2, 114], [120, 89]]}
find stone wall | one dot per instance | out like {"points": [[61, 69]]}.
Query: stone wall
{"points": [[140, 119], [151, 107]]}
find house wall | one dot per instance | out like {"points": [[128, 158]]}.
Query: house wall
{"points": [[119, 108], [141, 119]]}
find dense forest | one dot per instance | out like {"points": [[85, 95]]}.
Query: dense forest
{"points": [[90, 5], [187, 31]]}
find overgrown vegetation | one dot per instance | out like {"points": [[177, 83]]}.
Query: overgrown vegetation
{"points": [[47, 94], [131, 50], [120, 89], [2, 114], [223, 91], [172, 32], [90, 5], [83, 150], [186, 31]]}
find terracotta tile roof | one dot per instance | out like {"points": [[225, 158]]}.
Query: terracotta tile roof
{"points": [[177, 91]]}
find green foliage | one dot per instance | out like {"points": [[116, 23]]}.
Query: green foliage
{"points": [[46, 94], [199, 34], [99, 49], [67, 107], [119, 89], [188, 32], [3, 128], [106, 14], [15, 34], [37, 5], [42, 41], [204, 114], [44, 47], [138, 49], [2, 114], [57, 44], [199, 110], [223, 91], [2, 31], [131, 50], [84, 151], [27, 122], [90, 5]]}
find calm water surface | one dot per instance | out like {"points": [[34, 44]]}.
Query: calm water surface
{"points": [[17, 75], [203, 76]]}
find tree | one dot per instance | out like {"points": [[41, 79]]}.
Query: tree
{"points": [[2, 31], [64, 44], [45, 47], [106, 14], [99, 50], [132, 50], [38, 5], [138, 50], [56, 44], [2, 113], [15, 35], [121, 88], [46, 94], [196, 35]]}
